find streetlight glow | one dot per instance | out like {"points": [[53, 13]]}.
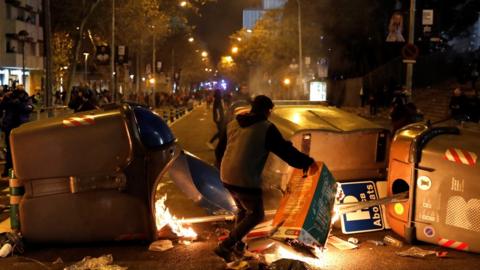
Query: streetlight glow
{"points": [[286, 81], [227, 59], [152, 81], [191, 39], [204, 54], [183, 3], [234, 49]]}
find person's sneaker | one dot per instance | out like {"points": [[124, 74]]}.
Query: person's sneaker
{"points": [[224, 253], [210, 146], [239, 249]]}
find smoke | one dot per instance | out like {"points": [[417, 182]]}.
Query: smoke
{"points": [[467, 41]]}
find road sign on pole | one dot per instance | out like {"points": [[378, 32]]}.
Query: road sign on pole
{"points": [[364, 220]]}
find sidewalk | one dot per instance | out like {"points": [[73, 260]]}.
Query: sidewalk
{"points": [[382, 117]]}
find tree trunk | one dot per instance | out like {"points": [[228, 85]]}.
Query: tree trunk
{"points": [[77, 47], [48, 54]]}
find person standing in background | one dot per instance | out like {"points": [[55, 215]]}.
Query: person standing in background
{"points": [[16, 107]]}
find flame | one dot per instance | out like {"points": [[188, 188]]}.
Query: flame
{"points": [[292, 255], [163, 217], [336, 208]]}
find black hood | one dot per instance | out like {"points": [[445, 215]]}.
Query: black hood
{"points": [[246, 120]]}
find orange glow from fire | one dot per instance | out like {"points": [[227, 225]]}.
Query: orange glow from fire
{"points": [[163, 217], [286, 253]]}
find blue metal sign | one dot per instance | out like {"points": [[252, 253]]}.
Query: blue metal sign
{"points": [[364, 220]]}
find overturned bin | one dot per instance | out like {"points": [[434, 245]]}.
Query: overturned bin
{"points": [[92, 176], [437, 165]]}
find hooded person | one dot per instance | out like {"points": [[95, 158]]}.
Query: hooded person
{"points": [[242, 152]]}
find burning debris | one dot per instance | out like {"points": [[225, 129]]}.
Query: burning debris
{"points": [[300, 228], [164, 218]]}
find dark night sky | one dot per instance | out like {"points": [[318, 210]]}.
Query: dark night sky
{"points": [[218, 21]]}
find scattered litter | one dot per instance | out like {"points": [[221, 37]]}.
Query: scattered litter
{"points": [[185, 242], [58, 261], [205, 236], [415, 252], [391, 241], [222, 233], [5, 250], [287, 264], [160, 245], [441, 254], [238, 265], [340, 243], [353, 240], [101, 263], [15, 241], [167, 233], [376, 242]]}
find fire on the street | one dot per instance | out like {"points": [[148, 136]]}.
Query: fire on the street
{"points": [[163, 217], [317, 260]]}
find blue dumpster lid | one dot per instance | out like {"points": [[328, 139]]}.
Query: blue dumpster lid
{"points": [[154, 132]]}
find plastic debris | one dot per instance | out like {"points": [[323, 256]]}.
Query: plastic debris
{"points": [[376, 242], [15, 241], [441, 254], [6, 250], [185, 242], [161, 245], [58, 261], [391, 241], [353, 240], [340, 243], [222, 233], [238, 265], [101, 263], [286, 264], [415, 252]]}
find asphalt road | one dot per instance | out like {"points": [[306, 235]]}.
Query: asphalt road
{"points": [[193, 131]]}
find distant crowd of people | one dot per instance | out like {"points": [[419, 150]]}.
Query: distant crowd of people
{"points": [[15, 109], [465, 105]]}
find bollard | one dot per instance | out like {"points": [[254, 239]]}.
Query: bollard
{"points": [[16, 192], [165, 116]]}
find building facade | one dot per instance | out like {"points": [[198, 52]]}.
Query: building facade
{"points": [[21, 44], [273, 4], [251, 16]]}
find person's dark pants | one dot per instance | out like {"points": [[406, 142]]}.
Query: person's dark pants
{"points": [[249, 202], [8, 154], [216, 136]]}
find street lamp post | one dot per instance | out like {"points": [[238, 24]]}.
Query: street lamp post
{"points": [[22, 36], [411, 40], [86, 65], [112, 55], [300, 47], [154, 64]]}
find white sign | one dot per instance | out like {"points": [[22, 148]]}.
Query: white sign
{"points": [[121, 50], [307, 60], [427, 18], [322, 68], [318, 91]]}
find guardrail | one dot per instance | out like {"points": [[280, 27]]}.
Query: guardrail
{"points": [[49, 112], [169, 114]]}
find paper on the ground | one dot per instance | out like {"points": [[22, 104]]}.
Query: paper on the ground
{"points": [[340, 243]]}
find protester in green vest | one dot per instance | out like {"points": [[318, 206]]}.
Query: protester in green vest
{"points": [[243, 150]]}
